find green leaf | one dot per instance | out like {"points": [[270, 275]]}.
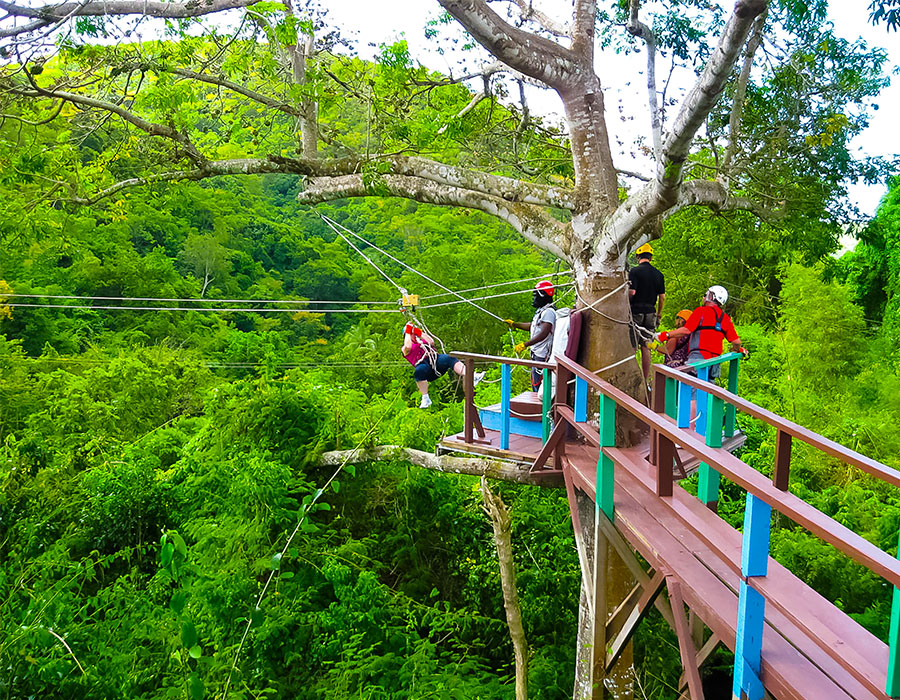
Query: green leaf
{"points": [[180, 546], [318, 493], [177, 602], [188, 634], [350, 469], [165, 557], [196, 652], [336, 485], [324, 506], [287, 574], [196, 687], [275, 564], [256, 617]]}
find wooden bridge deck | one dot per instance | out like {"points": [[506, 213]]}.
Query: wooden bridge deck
{"points": [[805, 636], [790, 643]]}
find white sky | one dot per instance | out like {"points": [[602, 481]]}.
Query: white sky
{"points": [[384, 22]]}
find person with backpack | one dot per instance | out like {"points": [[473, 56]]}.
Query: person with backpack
{"points": [[707, 327], [647, 297], [418, 349], [541, 327]]}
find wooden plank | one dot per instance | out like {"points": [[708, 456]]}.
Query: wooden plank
{"points": [[601, 605], [685, 642], [639, 610], [579, 538], [499, 360], [558, 434], [505, 379], [469, 406]]}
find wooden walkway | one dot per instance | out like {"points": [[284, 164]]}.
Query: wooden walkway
{"points": [[804, 647]]}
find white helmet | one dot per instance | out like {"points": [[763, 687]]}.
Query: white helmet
{"points": [[717, 293]]}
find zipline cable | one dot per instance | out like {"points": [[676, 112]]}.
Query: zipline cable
{"points": [[498, 284], [191, 308], [194, 301]]}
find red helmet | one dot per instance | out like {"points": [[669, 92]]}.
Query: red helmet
{"points": [[545, 286]]}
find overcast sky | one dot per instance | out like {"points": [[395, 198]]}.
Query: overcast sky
{"points": [[384, 22]]}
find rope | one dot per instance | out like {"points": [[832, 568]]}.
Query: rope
{"points": [[492, 296], [194, 301], [367, 258], [332, 224], [498, 284], [192, 308]]}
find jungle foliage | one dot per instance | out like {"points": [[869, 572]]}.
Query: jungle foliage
{"points": [[154, 464]]}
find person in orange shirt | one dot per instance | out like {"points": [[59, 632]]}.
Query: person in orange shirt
{"points": [[708, 326]]}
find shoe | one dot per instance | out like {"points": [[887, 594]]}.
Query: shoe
{"points": [[477, 377], [426, 401]]}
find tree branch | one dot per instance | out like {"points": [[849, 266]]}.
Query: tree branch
{"points": [[473, 466], [535, 56], [529, 220], [638, 29], [528, 12], [585, 18], [716, 197], [101, 8], [234, 87], [740, 93], [641, 208]]}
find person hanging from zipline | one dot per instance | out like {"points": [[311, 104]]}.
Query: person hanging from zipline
{"points": [[541, 327], [418, 349]]}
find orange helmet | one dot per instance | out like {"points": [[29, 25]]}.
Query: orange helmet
{"points": [[685, 314]]}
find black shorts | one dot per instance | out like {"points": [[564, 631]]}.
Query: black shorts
{"points": [[424, 372], [647, 321]]}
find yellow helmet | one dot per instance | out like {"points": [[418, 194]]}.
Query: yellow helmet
{"points": [[645, 249]]}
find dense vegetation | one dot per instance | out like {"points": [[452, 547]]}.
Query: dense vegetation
{"points": [[154, 464]]}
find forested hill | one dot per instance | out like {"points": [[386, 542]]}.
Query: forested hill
{"points": [[159, 467]]}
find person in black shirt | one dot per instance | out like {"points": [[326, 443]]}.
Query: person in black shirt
{"points": [[648, 295]]}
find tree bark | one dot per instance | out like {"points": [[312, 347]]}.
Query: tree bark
{"points": [[500, 520]]}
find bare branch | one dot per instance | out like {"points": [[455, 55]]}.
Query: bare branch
{"points": [[490, 468], [523, 51], [583, 29], [149, 127], [531, 221], [716, 197], [639, 29], [109, 8], [740, 93], [234, 87], [528, 12]]}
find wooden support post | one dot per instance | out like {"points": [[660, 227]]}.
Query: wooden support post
{"points": [[546, 404], [601, 611], [469, 410], [617, 644], [708, 487], [662, 449], [581, 392], [893, 671], [731, 410], [751, 605], [505, 390], [782, 473], [562, 393], [685, 643], [606, 475]]}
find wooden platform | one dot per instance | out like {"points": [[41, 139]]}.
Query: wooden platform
{"points": [[811, 650]]}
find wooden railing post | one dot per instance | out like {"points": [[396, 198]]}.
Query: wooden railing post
{"points": [[469, 408], [605, 467], [684, 405], [893, 670], [702, 375], [546, 403], [781, 476], [662, 449], [751, 604], [505, 397], [708, 487], [671, 389]]}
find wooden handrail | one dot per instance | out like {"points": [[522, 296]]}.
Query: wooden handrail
{"points": [[749, 479], [830, 447], [717, 360], [502, 360]]}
